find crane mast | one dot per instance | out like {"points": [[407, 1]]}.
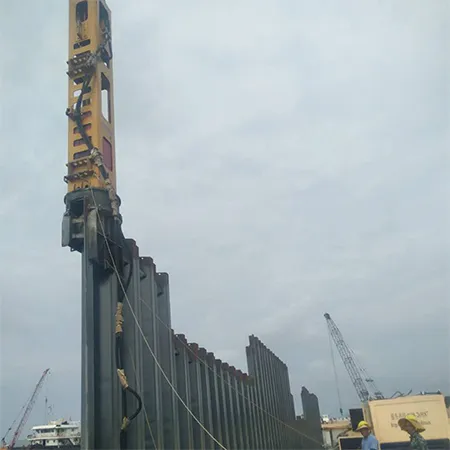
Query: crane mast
{"points": [[92, 226], [354, 370]]}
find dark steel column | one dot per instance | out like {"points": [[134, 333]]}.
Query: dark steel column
{"points": [[183, 387], [266, 393], [269, 358], [264, 396], [229, 399], [84, 230], [214, 382], [240, 419], [196, 396], [156, 421], [149, 366], [282, 399], [260, 416], [223, 404], [284, 392], [245, 411], [165, 350], [175, 402], [100, 390], [87, 215], [207, 398], [252, 423], [132, 351]]}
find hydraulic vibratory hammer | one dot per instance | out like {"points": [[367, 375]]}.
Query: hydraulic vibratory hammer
{"points": [[92, 226]]}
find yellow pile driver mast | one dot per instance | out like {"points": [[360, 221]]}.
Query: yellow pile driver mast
{"points": [[91, 103], [92, 226]]}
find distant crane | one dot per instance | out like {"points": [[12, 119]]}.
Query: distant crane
{"points": [[358, 374], [26, 414]]}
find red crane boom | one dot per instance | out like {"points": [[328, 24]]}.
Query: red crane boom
{"points": [[28, 409]]}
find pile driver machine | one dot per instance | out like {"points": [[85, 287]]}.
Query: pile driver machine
{"points": [[188, 397], [92, 226]]}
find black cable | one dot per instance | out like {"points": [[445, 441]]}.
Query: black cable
{"points": [[139, 400], [77, 113]]}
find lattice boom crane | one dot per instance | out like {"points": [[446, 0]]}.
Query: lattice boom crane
{"points": [[357, 373], [28, 409]]}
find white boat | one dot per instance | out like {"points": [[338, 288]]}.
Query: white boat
{"points": [[58, 433]]}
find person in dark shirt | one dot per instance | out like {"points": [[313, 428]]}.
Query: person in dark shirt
{"points": [[369, 441], [411, 425]]}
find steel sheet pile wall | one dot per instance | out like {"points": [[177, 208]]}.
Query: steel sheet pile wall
{"points": [[311, 413], [273, 393], [240, 411]]}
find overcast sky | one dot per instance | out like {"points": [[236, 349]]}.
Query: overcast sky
{"points": [[279, 159]]}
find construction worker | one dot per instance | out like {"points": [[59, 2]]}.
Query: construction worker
{"points": [[369, 441], [411, 425]]}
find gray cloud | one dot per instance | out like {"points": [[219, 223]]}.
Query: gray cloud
{"points": [[279, 160]]}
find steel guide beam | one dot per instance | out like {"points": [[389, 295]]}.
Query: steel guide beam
{"points": [[100, 386], [86, 228]]}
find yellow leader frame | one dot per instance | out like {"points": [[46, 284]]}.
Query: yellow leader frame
{"points": [[91, 78]]}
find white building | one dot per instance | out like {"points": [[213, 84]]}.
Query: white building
{"points": [[58, 433]]}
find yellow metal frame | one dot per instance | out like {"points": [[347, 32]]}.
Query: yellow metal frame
{"points": [[88, 19]]}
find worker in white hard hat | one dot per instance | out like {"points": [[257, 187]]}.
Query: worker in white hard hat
{"points": [[369, 441], [412, 426]]}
